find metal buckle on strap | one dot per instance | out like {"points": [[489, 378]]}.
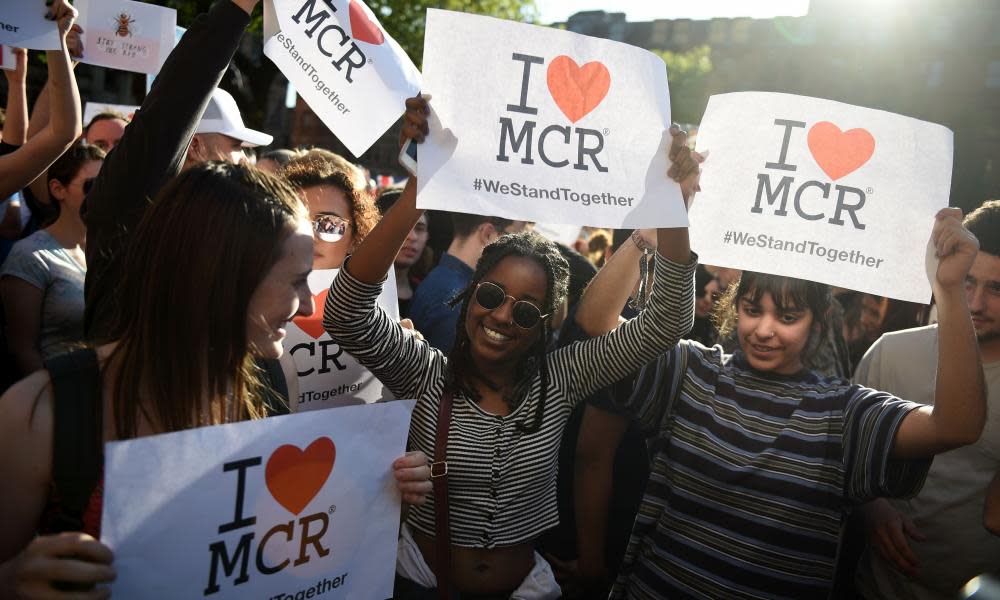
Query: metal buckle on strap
{"points": [[439, 469]]}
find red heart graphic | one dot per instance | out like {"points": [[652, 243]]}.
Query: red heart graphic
{"points": [[577, 90], [839, 152], [294, 476], [313, 324], [362, 27]]}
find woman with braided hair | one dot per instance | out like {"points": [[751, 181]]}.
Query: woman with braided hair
{"points": [[508, 398]]}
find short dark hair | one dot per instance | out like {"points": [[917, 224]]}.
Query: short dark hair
{"points": [[72, 160], [465, 224], [282, 156], [787, 293], [984, 223], [107, 115]]}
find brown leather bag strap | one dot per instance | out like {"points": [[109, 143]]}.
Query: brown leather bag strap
{"points": [[439, 475]]}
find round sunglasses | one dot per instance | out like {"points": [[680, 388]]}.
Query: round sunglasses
{"points": [[491, 297], [330, 228]]}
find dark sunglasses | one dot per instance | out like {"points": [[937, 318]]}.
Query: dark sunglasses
{"points": [[491, 297], [87, 185], [330, 228]]}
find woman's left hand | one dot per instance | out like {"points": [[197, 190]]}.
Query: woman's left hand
{"points": [[413, 476], [685, 167], [955, 247]]}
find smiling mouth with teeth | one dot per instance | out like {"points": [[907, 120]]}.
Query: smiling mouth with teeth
{"points": [[495, 335]]}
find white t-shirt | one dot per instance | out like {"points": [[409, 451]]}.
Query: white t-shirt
{"points": [[949, 508]]}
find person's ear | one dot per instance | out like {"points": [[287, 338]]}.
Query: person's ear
{"points": [[57, 190], [196, 150], [487, 233]]}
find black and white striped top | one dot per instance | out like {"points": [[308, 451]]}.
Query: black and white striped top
{"points": [[502, 481]]}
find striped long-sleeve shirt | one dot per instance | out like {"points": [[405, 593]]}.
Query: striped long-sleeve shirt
{"points": [[502, 480], [748, 494]]}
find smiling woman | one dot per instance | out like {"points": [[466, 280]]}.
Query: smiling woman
{"points": [[501, 397], [215, 268]]}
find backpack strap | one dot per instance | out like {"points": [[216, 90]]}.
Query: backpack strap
{"points": [[77, 451]]}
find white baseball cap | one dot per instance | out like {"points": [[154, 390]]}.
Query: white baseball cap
{"points": [[223, 116]]}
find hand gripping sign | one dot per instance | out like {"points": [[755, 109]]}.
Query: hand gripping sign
{"points": [[23, 25], [127, 35], [8, 61], [280, 508], [820, 190], [328, 376], [544, 125], [352, 74]]}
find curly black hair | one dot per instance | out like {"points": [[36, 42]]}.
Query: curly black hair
{"points": [[527, 244]]}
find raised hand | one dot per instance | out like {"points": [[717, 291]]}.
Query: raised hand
{"points": [[685, 166], [954, 246], [64, 14], [19, 73], [74, 42], [415, 120]]}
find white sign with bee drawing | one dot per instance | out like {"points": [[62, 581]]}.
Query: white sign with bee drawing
{"points": [[121, 34]]}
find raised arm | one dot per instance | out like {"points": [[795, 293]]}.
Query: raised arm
{"points": [[15, 128], [669, 314], [959, 412], [153, 148], [20, 168], [606, 295], [372, 259]]}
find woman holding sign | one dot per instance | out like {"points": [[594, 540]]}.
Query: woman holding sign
{"points": [[757, 458], [21, 167], [215, 271], [508, 398]]}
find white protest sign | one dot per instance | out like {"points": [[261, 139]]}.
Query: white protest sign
{"points": [[8, 61], [353, 75], [23, 25], [329, 376], [92, 109], [271, 508], [538, 124], [127, 35], [820, 190], [562, 234]]}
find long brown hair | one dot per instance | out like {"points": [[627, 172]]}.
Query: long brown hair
{"points": [[202, 248]]}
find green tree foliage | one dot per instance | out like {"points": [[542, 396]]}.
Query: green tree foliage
{"points": [[404, 19], [687, 73]]}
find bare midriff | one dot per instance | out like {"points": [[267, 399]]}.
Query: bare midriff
{"points": [[483, 571]]}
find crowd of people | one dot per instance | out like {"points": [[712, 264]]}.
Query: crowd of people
{"points": [[614, 419]]}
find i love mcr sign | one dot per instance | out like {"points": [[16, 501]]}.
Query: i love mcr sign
{"points": [[821, 190], [284, 508], [538, 124]]}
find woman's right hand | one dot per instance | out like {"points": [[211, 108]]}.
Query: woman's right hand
{"points": [[65, 565], [63, 13], [415, 120]]}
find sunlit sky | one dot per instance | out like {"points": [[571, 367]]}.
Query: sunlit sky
{"points": [[552, 11]]}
